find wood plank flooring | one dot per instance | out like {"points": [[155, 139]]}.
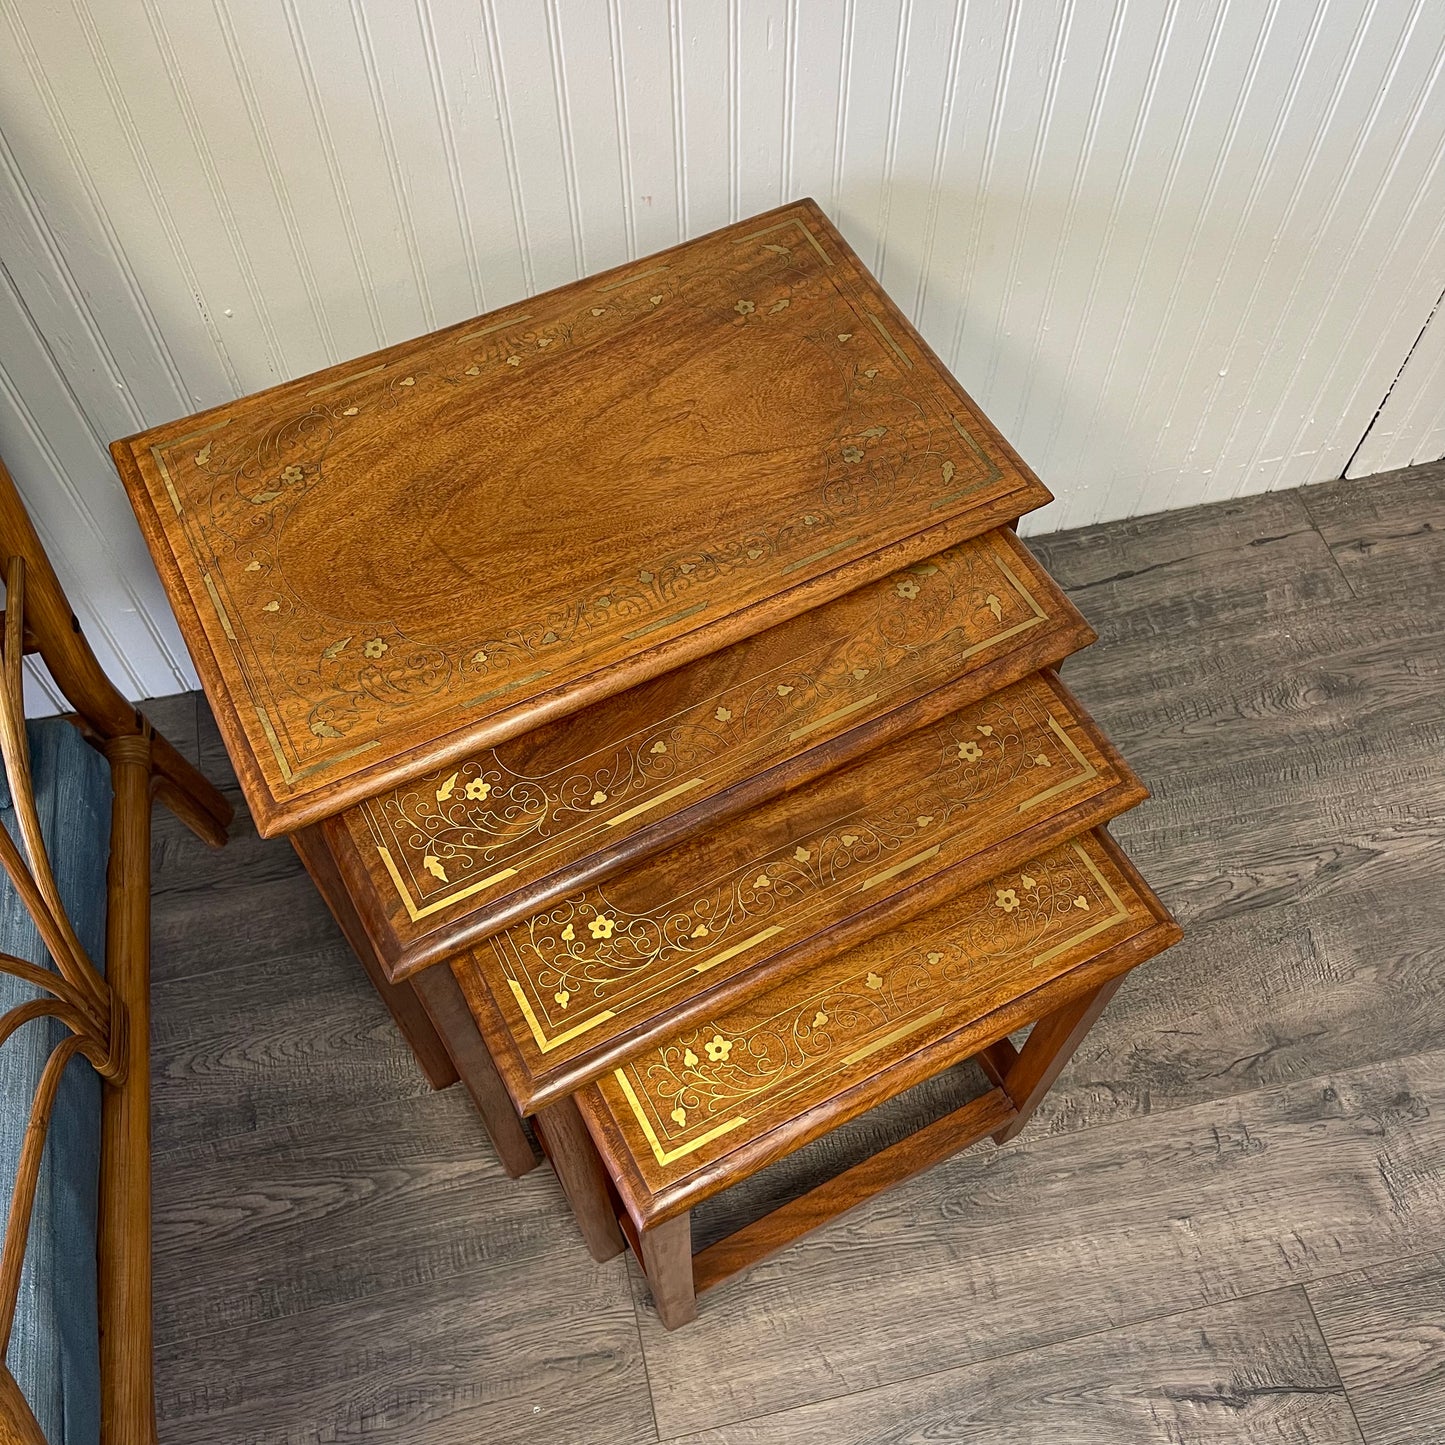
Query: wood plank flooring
{"points": [[1225, 1225]]}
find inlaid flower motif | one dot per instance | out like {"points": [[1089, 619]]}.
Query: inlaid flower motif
{"points": [[477, 790], [562, 997], [744, 308], [723, 715], [852, 454], [291, 475], [907, 588], [1007, 899], [970, 751], [679, 1116], [601, 926], [689, 1059], [873, 981], [374, 647], [479, 656], [718, 1048]]}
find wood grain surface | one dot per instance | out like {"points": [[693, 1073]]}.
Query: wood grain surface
{"points": [[337, 1256], [796, 880], [461, 851], [385, 565]]}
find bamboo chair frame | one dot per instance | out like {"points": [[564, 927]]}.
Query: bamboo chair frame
{"points": [[107, 1016]]}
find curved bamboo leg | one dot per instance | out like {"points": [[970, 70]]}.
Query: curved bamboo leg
{"points": [[127, 1386]]}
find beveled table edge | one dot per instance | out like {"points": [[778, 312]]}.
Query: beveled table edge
{"points": [[275, 815], [647, 1209]]}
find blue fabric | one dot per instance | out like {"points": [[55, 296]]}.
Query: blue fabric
{"points": [[54, 1350]]}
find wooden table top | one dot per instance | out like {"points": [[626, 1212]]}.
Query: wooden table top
{"points": [[386, 565], [460, 851]]}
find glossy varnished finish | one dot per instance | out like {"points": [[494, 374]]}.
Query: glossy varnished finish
{"points": [[748, 1085], [463, 850], [381, 567], [804, 876]]}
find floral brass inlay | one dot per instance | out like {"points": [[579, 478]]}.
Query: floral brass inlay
{"points": [[905, 643], [610, 960], [906, 988], [912, 449]]}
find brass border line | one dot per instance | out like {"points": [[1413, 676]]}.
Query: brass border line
{"points": [[205, 431], [994, 470], [628, 280], [220, 608], [901, 1032], [783, 226], [667, 1156], [347, 380], [888, 337], [1020, 588], [335, 758], [506, 687], [898, 868], [165, 472], [1120, 913], [495, 326], [686, 787], [816, 556], [833, 716], [736, 949], [286, 775], [663, 621], [1090, 771], [417, 914], [543, 1043]]}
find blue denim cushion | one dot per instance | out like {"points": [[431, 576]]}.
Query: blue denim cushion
{"points": [[54, 1350]]}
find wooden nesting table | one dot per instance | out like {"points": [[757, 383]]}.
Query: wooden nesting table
{"points": [[652, 682]]}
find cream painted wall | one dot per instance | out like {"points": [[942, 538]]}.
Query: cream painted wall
{"points": [[1178, 249]]}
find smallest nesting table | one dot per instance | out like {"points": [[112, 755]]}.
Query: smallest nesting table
{"points": [[652, 682]]}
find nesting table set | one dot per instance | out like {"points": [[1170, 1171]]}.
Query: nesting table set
{"points": [[651, 680]]}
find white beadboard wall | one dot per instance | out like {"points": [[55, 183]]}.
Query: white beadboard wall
{"points": [[1178, 249]]}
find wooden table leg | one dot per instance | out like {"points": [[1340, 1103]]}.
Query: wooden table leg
{"points": [[447, 1009], [400, 998], [574, 1156], [667, 1260], [1050, 1045]]}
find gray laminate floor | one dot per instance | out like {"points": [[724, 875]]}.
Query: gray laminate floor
{"points": [[1226, 1225]]}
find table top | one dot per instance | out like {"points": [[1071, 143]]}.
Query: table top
{"points": [[713, 1101], [461, 851], [391, 563], [589, 981]]}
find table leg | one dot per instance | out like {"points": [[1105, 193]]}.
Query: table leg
{"points": [[447, 1009], [667, 1261], [1051, 1043], [574, 1156]]}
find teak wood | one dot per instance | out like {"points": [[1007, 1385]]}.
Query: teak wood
{"points": [[792, 1076], [384, 566], [576, 989], [461, 851]]}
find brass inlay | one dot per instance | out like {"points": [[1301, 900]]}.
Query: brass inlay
{"points": [[736, 949], [415, 913], [495, 326], [887, 335], [1089, 770], [204, 431], [507, 687], [783, 226], [165, 472], [628, 280], [991, 466], [346, 380], [817, 556], [661, 798], [275, 744], [666, 1156], [1119, 915], [898, 868], [833, 716], [543, 1042], [335, 758], [219, 606], [901, 1032], [663, 621]]}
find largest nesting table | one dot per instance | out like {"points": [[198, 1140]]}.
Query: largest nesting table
{"points": [[653, 684]]}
